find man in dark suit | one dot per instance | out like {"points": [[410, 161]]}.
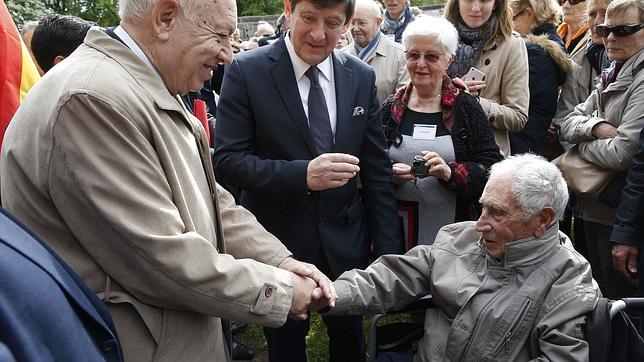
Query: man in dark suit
{"points": [[296, 122], [46, 311]]}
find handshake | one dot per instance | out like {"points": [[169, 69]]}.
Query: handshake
{"points": [[312, 290]]}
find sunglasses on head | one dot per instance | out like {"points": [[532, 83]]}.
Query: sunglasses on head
{"points": [[619, 30], [429, 57], [571, 2]]}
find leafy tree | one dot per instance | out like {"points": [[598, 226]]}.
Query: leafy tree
{"points": [[259, 7], [102, 12], [25, 10]]}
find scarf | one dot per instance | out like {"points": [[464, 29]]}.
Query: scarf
{"points": [[609, 74], [562, 31], [365, 53], [468, 52], [390, 26], [450, 89]]}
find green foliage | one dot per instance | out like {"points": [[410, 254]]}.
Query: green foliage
{"points": [[101, 12], [259, 7]]}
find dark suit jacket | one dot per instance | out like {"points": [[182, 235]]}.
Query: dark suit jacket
{"points": [[46, 312], [263, 145]]}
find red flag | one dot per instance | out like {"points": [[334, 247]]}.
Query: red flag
{"points": [[17, 70], [202, 114]]}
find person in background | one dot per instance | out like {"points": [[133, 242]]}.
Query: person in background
{"points": [[436, 119], [56, 37], [104, 162], [486, 42], [26, 33], [398, 15], [509, 287], [264, 29], [606, 127], [574, 28], [385, 56], [294, 121], [345, 40], [536, 21]]}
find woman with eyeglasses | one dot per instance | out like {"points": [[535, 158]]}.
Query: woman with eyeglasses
{"points": [[607, 126], [486, 43], [536, 21], [440, 142], [574, 28]]}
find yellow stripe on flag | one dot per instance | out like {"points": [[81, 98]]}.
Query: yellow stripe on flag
{"points": [[29, 72]]}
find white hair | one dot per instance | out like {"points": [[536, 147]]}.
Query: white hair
{"points": [[138, 9], [438, 28], [536, 183], [374, 6]]}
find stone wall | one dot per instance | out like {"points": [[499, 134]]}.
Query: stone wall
{"points": [[248, 24]]}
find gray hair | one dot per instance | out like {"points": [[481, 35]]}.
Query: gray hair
{"points": [[374, 6], [622, 5], [536, 183], [138, 9], [438, 28]]}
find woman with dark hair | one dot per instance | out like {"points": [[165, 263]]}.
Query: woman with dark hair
{"points": [[536, 21], [486, 42], [440, 141]]}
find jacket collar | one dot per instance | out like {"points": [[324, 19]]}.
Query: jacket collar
{"points": [[528, 251], [150, 82], [628, 72]]}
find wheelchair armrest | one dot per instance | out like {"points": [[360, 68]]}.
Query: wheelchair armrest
{"points": [[421, 304]]}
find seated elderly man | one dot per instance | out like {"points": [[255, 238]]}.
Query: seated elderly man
{"points": [[509, 287]]}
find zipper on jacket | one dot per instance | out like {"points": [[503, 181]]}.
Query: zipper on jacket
{"points": [[513, 329]]}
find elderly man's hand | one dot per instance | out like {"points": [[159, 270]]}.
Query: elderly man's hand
{"points": [[324, 288], [331, 170], [625, 259], [603, 130], [304, 290]]}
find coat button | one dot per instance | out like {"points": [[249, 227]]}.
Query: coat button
{"points": [[462, 133], [268, 292], [109, 345], [487, 61], [492, 119]]}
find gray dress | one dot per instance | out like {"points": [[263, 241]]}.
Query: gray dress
{"points": [[425, 205]]}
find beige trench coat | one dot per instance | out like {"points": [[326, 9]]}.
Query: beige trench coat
{"points": [[506, 98], [113, 173]]}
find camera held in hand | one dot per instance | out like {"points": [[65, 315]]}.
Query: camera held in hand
{"points": [[418, 167]]}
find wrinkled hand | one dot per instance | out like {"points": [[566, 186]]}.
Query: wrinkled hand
{"points": [[324, 290], [402, 173], [331, 170], [436, 165], [603, 130], [303, 291], [625, 259], [475, 86]]}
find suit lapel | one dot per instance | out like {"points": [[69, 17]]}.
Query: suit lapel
{"points": [[343, 90], [286, 84]]}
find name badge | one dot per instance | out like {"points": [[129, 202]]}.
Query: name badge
{"points": [[424, 132]]}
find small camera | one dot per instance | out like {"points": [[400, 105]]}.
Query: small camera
{"points": [[418, 167]]}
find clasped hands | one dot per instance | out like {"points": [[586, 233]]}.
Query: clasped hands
{"points": [[312, 290], [433, 161]]}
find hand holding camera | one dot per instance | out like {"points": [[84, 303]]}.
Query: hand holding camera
{"points": [[430, 163]]}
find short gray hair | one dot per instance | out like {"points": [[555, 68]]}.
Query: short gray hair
{"points": [[138, 9], [438, 28], [373, 5], [622, 5], [536, 183]]}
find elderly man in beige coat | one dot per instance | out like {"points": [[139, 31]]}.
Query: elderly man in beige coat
{"points": [[106, 165]]}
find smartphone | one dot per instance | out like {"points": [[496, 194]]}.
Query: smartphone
{"points": [[474, 74]]}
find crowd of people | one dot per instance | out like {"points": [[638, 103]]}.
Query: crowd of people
{"points": [[190, 178]]}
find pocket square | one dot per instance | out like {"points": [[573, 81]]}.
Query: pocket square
{"points": [[358, 111]]}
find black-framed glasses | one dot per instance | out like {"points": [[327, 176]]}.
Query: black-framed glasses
{"points": [[571, 2], [413, 56], [516, 16], [361, 23], [620, 31]]}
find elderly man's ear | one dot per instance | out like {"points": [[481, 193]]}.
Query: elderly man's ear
{"points": [[164, 16], [545, 218]]}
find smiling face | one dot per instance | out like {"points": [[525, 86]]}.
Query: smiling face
{"points": [[422, 72], [621, 49], [476, 13], [502, 220], [315, 30], [195, 46], [365, 25]]}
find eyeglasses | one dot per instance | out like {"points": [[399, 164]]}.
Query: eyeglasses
{"points": [[571, 2], [620, 31], [516, 16], [361, 23], [429, 57]]}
